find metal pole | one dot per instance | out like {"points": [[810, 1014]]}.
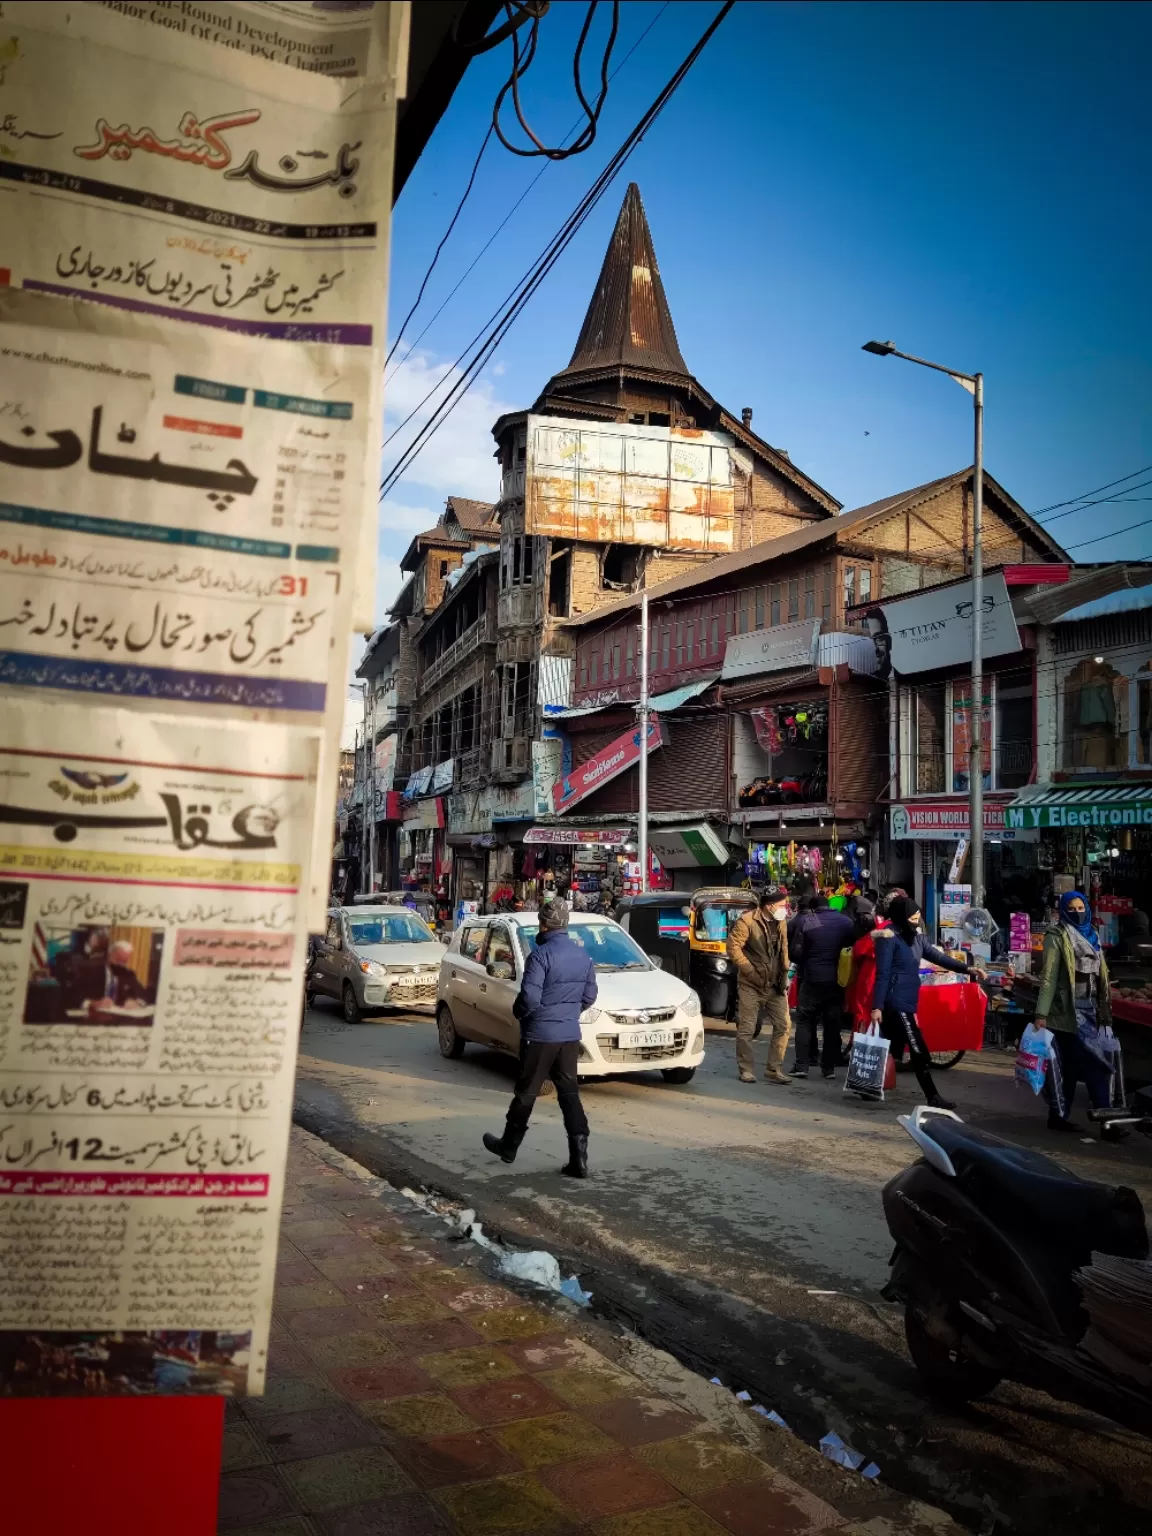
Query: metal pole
{"points": [[365, 811], [642, 711], [976, 765], [372, 792]]}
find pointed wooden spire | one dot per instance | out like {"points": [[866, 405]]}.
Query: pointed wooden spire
{"points": [[628, 323]]}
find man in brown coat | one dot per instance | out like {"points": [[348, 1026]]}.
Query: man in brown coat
{"points": [[758, 948]]}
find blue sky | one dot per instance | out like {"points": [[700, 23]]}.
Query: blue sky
{"points": [[970, 181]]}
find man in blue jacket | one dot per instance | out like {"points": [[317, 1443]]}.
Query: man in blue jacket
{"points": [[820, 936], [559, 983]]}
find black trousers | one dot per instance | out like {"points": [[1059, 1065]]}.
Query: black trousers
{"points": [[819, 1003], [903, 1030], [540, 1060]]}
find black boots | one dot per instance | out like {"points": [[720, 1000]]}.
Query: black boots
{"points": [[506, 1147], [577, 1165]]}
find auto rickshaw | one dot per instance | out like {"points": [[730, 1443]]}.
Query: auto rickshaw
{"points": [[423, 903], [688, 932]]}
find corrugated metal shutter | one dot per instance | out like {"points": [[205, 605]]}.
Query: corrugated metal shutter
{"points": [[858, 743], [688, 773]]}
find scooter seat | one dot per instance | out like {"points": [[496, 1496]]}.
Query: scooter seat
{"points": [[1028, 1191]]}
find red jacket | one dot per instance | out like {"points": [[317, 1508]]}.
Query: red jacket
{"points": [[858, 994]]}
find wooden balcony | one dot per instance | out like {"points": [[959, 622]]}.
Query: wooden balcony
{"points": [[482, 633]]}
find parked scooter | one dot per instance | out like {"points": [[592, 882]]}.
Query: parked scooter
{"points": [[989, 1237]]}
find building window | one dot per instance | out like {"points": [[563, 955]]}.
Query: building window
{"points": [[1095, 735], [759, 607], [680, 642], [863, 583], [1143, 712], [584, 669], [774, 603], [962, 734], [1013, 734], [794, 599], [690, 642], [630, 654], [595, 668], [826, 592], [667, 648], [929, 706], [715, 635], [616, 662], [516, 566], [849, 586], [810, 592]]}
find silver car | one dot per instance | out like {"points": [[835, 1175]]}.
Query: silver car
{"points": [[376, 957], [642, 1019]]}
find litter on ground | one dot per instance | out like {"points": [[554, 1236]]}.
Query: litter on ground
{"points": [[844, 1456]]}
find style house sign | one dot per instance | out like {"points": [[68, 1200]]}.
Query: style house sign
{"points": [[934, 629]]}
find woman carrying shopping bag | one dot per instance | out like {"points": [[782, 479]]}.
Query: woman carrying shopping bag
{"points": [[896, 990], [1075, 1004]]}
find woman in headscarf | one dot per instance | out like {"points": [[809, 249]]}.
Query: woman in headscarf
{"points": [[1075, 1004], [896, 990]]}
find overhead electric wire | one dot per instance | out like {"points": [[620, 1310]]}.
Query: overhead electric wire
{"points": [[503, 319], [1094, 492], [1115, 534], [504, 221], [440, 247], [1100, 501]]}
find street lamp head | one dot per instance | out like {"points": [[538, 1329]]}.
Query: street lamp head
{"points": [[881, 348]]}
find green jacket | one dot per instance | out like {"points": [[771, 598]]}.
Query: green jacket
{"points": [[1056, 1002]]}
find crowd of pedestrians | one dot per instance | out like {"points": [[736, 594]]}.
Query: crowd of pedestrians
{"points": [[856, 969]]}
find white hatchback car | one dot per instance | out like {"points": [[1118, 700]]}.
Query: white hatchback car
{"points": [[642, 1020]]}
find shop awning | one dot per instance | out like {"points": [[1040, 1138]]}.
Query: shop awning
{"points": [[665, 702], [660, 703], [689, 847], [1083, 805]]}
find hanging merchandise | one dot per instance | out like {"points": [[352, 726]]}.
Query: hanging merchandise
{"points": [[816, 859]]}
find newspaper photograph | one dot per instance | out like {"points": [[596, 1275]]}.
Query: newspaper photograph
{"points": [[151, 965], [180, 513]]}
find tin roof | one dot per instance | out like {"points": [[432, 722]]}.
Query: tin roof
{"points": [[473, 515], [812, 533], [628, 322]]}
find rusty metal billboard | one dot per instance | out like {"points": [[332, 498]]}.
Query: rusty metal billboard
{"points": [[666, 487]]}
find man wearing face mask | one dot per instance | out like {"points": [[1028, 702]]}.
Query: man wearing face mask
{"points": [[758, 948]]}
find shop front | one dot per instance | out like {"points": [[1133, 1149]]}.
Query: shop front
{"points": [[929, 851], [807, 761], [1098, 839], [423, 856]]}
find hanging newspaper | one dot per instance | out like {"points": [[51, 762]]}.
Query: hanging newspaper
{"points": [[167, 176], [151, 951], [179, 519], [192, 292]]}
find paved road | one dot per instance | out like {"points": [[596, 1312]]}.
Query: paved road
{"points": [[716, 1215]]}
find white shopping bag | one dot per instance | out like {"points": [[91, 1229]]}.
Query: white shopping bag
{"points": [[867, 1065]]}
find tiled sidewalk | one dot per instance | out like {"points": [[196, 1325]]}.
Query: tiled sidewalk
{"points": [[407, 1396]]}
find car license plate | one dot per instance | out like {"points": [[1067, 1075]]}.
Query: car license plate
{"points": [[642, 1039], [407, 981]]}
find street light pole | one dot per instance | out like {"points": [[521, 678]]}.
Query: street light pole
{"points": [[976, 710], [974, 384], [642, 712]]}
